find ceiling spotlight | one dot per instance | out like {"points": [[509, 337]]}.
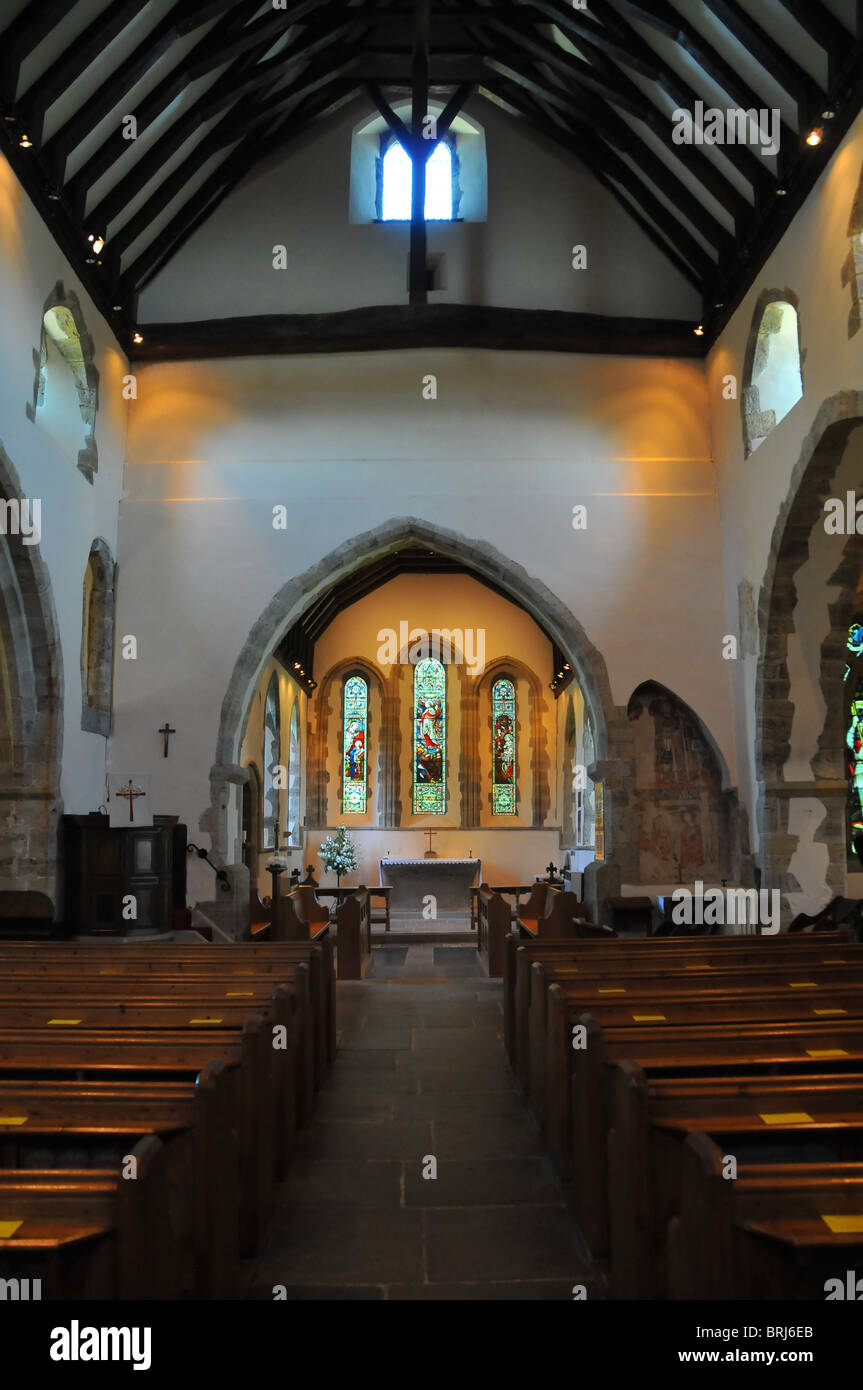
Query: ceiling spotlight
{"points": [[137, 337], [296, 666], [720, 304], [828, 115], [53, 195], [781, 192], [118, 308], [25, 142], [98, 243], [815, 137], [566, 666], [699, 331]]}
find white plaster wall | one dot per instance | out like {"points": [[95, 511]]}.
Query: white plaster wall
{"points": [[539, 206], [74, 512], [809, 261], [512, 443]]}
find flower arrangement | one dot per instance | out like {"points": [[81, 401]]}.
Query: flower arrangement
{"points": [[339, 853]]}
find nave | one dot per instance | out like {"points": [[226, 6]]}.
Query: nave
{"points": [[421, 1071]]}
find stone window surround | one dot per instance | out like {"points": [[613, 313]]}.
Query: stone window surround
{"points": [[757, 423], [88, 396]]}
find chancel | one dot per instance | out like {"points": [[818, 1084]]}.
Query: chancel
{"points": [[451, 417]]}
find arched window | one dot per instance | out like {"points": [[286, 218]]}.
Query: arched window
{"points": [[272, 761], [397, 183], [66, 391], [294, 770], [854, 732], [429, 792], [773, 382], [503, 784], [97, 641], [354, 766]]}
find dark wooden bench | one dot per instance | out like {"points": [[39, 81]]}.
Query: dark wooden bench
{"points": [[776, 1232], [354, 935], [651, 1118]]}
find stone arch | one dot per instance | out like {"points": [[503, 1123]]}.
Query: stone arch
{"points": [[608, 722], [789, 581], [63, 324], [31, 727], [770, 326], [97, 640]]}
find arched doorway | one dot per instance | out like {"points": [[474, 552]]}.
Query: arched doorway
{"points": [[806, 604], [30, 706]]}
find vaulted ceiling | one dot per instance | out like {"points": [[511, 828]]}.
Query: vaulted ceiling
{"points": [[215, 86]]}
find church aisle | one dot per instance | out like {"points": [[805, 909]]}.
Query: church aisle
{"points": [[421, 1073]]}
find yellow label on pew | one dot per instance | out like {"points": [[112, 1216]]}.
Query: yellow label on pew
{"points": [[649, 1018], [205, 1020], [13, 1119], [833, 961], [611, 989], [844, 1225], [240, 994], [699, 965], [8, 1229], [826, 1052], [802, 984], [792, 1117], [63, 1022], [830, 1011]]}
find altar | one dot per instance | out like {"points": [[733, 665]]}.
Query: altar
{"points": [[449, 881]]}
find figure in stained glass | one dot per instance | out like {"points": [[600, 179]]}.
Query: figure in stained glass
{"points": [[429, 737], [355, 779], [503, 752]]}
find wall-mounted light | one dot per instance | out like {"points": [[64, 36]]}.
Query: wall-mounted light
{"points": [[815, 136]]}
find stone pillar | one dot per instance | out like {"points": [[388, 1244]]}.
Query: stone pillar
{"points": [[469, 759]]}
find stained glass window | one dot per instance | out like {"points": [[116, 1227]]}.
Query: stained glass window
{"points": [[354, 778], [272, 760], [854, 735], [294, 779], [503, 748], [429, 738]]}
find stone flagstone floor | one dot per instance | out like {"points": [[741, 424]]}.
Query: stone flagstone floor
{"points": [[420, 1071]]}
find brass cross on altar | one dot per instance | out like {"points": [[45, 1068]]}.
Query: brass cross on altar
{"points": [[166, 732], [430, 854], [131, 792]]}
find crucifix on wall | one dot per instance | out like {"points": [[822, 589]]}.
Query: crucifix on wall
{"points": [[166, 732], [129, 799]]}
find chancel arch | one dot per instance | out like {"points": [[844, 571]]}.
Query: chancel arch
{"points": [[317, 612]]}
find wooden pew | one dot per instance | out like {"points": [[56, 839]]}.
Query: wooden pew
{"points": [[775, 1232], [354, 935], [556, 918], [494, 923], [198, 1123], [672, 1003], [651, 1118], [753, 1048], [90, 1232], [145, 1055], [520, 954]]}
